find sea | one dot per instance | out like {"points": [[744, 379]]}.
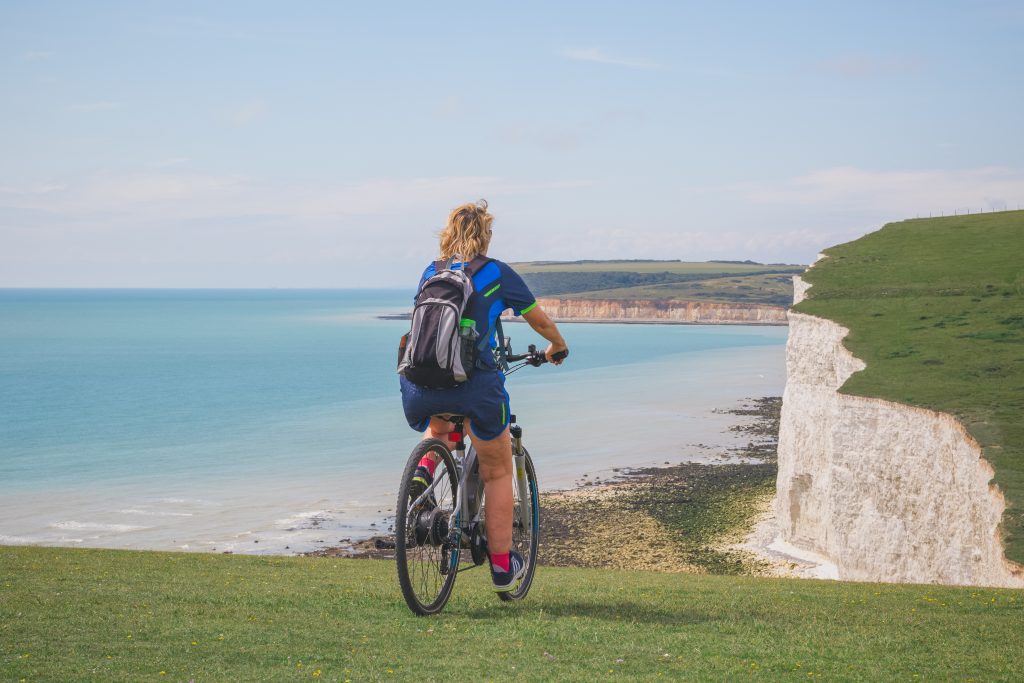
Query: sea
{"points": [[270, 421]]}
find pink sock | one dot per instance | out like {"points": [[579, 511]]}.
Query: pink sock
{"points": [[500, 561], [429, 463]]}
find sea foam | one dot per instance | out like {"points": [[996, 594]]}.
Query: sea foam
{"points": [[96, 526]]}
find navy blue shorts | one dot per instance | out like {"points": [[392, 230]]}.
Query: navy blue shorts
{"points": [[482, 398]]}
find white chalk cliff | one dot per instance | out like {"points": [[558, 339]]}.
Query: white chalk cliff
{"points": [[881, 490], [668, 311]]}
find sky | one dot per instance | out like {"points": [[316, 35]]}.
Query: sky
{"points": [[322, 144]]}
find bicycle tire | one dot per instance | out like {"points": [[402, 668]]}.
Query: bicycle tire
{"points": [[525, 538], [426, 572]]}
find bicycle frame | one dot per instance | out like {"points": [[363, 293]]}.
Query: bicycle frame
{"points": [[441, 522], [469, 508]]}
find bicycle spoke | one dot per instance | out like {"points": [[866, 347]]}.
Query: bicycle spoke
{"points": [[525, 527], [421, 525]]}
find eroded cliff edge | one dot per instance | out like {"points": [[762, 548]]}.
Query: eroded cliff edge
{"points": [[666, 311], [884, 491]]}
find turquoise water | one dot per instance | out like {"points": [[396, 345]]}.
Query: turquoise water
{"points": [[202, 418]]}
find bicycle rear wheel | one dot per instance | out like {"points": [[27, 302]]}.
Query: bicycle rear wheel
{"points": [[525, 532], [427, 561]]}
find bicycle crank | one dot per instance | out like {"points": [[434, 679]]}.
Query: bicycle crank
{"points": [[477, 543]]}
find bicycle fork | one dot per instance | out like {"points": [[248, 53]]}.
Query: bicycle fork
{"points": [[522, 483]]}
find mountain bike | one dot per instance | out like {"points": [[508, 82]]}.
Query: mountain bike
{"points": [[433, 528]]}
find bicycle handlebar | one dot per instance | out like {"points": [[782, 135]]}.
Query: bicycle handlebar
{"points": [[534, 357]]}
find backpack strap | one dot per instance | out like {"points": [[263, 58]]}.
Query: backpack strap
{"points": [[500, 334], [476, 264], [472, 268]]}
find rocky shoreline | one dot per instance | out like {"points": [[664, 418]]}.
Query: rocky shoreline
{"points": [[684, 517]]}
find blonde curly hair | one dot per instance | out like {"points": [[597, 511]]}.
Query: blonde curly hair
{"points": [[467, 232]]}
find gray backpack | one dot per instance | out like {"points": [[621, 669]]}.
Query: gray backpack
{"points": [[440, 351]]}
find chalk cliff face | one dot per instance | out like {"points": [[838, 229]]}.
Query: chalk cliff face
{"points": [[663, 311], [885, 491]]}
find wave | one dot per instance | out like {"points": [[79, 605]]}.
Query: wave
{"points": [[184, 501], [312, 518], [20, 540], [96, 526], [154, 513]]}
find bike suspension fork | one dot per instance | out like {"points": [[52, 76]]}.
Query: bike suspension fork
{"points": [[522, 482]]}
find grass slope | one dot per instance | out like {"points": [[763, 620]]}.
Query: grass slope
{"points": [[101, 615], [673, 267], [721, 281], [772, 289], [935, 307]]}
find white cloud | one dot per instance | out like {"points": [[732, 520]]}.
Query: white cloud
{"points": [[178, 194], [780, 244], [120, 193], [94, 106], [902, 194], [245, 114], [31, 190], [172, 161], [36, 56], [176, 228], [859, 67], [548, 139], [592, 54], [449, 107]]}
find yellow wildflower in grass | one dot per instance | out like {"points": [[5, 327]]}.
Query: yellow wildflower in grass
{"points": [[316, 674]]}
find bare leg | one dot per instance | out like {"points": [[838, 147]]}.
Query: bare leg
{"points": [[439, 429], [495, 457]]}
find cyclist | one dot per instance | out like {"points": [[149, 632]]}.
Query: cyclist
{"points": [[482, 398]]}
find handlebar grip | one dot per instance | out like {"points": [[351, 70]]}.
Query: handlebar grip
{"points": [[560, 355]]}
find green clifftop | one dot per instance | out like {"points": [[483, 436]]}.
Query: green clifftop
{"points": [[712, 281], [935, 307]]}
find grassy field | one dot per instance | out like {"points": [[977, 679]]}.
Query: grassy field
{"points": [[100, 615], [720, 281], [674, 267], [773, 289], [935, 307]]}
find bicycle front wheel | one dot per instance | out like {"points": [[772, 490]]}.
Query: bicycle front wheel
{"points": [[427, 560], [525, 526]]}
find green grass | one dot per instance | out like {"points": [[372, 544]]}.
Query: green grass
{"points": [[101, 615], [935, 307], [773, 289], [674, 267], [678, 280]]}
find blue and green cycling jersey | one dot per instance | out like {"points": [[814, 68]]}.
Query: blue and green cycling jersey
{"points": [[498, 288]]}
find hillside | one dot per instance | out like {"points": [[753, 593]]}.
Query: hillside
{"points": [[710, 281], [101, 615], [935, 308]]}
